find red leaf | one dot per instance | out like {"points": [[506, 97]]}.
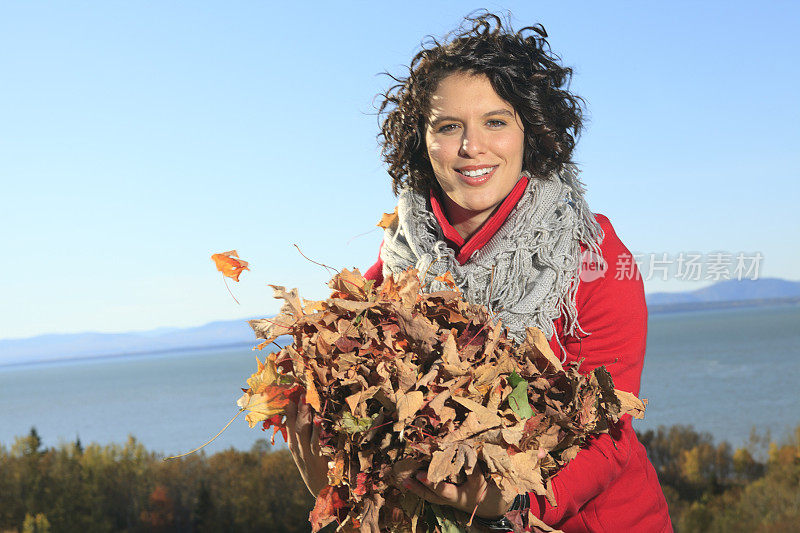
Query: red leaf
{"points": [[326, 509], [361, 484], [276, 423]]}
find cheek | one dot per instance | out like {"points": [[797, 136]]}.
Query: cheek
{"points": [[512, 148], [435, 153]]}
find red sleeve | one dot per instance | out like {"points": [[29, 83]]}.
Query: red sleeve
{"points": [[612, 309], [376, 271]]}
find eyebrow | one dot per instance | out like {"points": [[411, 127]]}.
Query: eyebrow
{"points": [[439, 120]]}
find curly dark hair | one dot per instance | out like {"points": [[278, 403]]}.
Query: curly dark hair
{"points": [[522, 70]]}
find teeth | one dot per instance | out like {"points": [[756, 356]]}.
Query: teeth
{"points": [[476, 173]]}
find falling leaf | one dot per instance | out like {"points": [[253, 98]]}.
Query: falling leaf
{"points": [[229, 264]]}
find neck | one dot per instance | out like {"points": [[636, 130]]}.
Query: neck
{"points": [[464, 221]]}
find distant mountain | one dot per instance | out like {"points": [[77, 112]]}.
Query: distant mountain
{"points": [[82, 345], [731, 290], [766, 291], [724, 294]]}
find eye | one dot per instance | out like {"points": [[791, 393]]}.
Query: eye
{"points": [[447, 128], [495, 123]]}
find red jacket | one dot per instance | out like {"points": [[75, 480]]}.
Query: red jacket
{"points": [[610, 485]]}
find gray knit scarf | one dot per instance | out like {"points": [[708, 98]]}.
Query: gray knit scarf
{"points": [[536, 254]]}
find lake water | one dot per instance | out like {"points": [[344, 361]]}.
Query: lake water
{"points": [[721, 371]]}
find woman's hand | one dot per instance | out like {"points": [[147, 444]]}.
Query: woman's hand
{"points": [[475, 494], [303, 441]]}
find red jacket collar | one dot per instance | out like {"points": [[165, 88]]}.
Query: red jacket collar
{"points": [[465, 249]]}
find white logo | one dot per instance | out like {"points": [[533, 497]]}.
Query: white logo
{"points": [[593, 266]]}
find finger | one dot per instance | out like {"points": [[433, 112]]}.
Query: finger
{"points": [[290, 412], [291, 429], [452, 494], [541, 453], [303, 421], [296, 417], [304, 428], [315, 448], [414, 486]]}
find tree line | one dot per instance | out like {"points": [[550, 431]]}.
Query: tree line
{"points": [[124, 487]]}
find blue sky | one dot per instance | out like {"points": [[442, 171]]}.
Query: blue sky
{"points": [[138, 138]]}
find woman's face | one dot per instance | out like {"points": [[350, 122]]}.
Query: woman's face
{"points": [[475, 144]]}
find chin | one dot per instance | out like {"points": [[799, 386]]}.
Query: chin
{"points": [[479, 206]]}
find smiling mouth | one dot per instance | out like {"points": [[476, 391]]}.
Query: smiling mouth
{"points": [[476, 175]]}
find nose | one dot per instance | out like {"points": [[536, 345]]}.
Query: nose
{"points": [[472, 144]]}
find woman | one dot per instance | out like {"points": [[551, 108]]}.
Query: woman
{"points": [[479, 139]]}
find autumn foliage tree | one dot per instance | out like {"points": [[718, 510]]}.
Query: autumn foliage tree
{"points": [[124, 487], [712, 488]]}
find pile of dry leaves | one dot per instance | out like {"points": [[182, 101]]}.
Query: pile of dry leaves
{"points": [[402, 379]]}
